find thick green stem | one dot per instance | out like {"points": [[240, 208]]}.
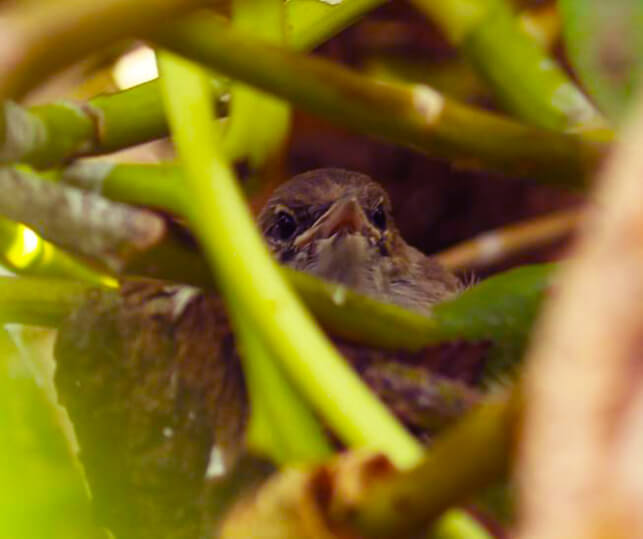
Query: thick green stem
{"points": [[526, 80], [414, 116], [250, 280], [159, 185], [48, 134], [281, 423], [245, 136]]}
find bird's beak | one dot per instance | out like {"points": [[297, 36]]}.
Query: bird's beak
{"points": [[344, 215]]}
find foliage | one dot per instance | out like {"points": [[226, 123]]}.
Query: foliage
{"points": [[605, 45], [300, 389]]}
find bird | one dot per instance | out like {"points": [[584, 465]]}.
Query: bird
{"points": [[150, 374], [337, 224]]}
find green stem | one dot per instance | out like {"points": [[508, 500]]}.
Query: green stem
{"points": [[60, 131], [250, 280], [258, 123], [414, 116], [156, 185], [525, 79], [45, 135], [281, 424], [311, 22]]}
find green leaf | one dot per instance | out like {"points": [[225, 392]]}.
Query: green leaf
{"points": [[501, 309], [43, 493], [605, 45]]}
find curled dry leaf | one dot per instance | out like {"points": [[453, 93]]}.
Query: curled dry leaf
{"points": [[296, 503]]}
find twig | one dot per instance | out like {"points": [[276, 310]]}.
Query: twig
{"points": [[47, 134], [83, 222], [415, 116], [424, 400], [496, 245], [579, 469], [456, 77]]}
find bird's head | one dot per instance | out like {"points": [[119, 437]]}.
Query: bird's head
{"points": [[337, 224]]}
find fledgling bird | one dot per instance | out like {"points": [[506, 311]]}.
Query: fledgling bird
{"points": [[337, 224], [151, 378]]}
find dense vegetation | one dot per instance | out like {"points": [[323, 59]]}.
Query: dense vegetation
{"points": [[492, 415]]}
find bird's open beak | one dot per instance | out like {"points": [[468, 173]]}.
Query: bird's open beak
{"points": [[344, 215]]}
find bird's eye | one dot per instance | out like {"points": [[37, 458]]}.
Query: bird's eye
{"points": [[379, 217], [285, 226]]}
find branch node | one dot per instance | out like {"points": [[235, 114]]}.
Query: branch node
{"points": [[23, 132]]}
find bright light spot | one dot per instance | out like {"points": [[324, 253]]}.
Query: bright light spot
{"points": [[135, 67], [490, 246], [216, 466], [339, 295], [25, 247], [108, 281], [428, 102]]}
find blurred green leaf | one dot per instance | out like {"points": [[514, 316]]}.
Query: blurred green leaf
{"points": [[42, 493], [604, 42], [501, 309]]}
